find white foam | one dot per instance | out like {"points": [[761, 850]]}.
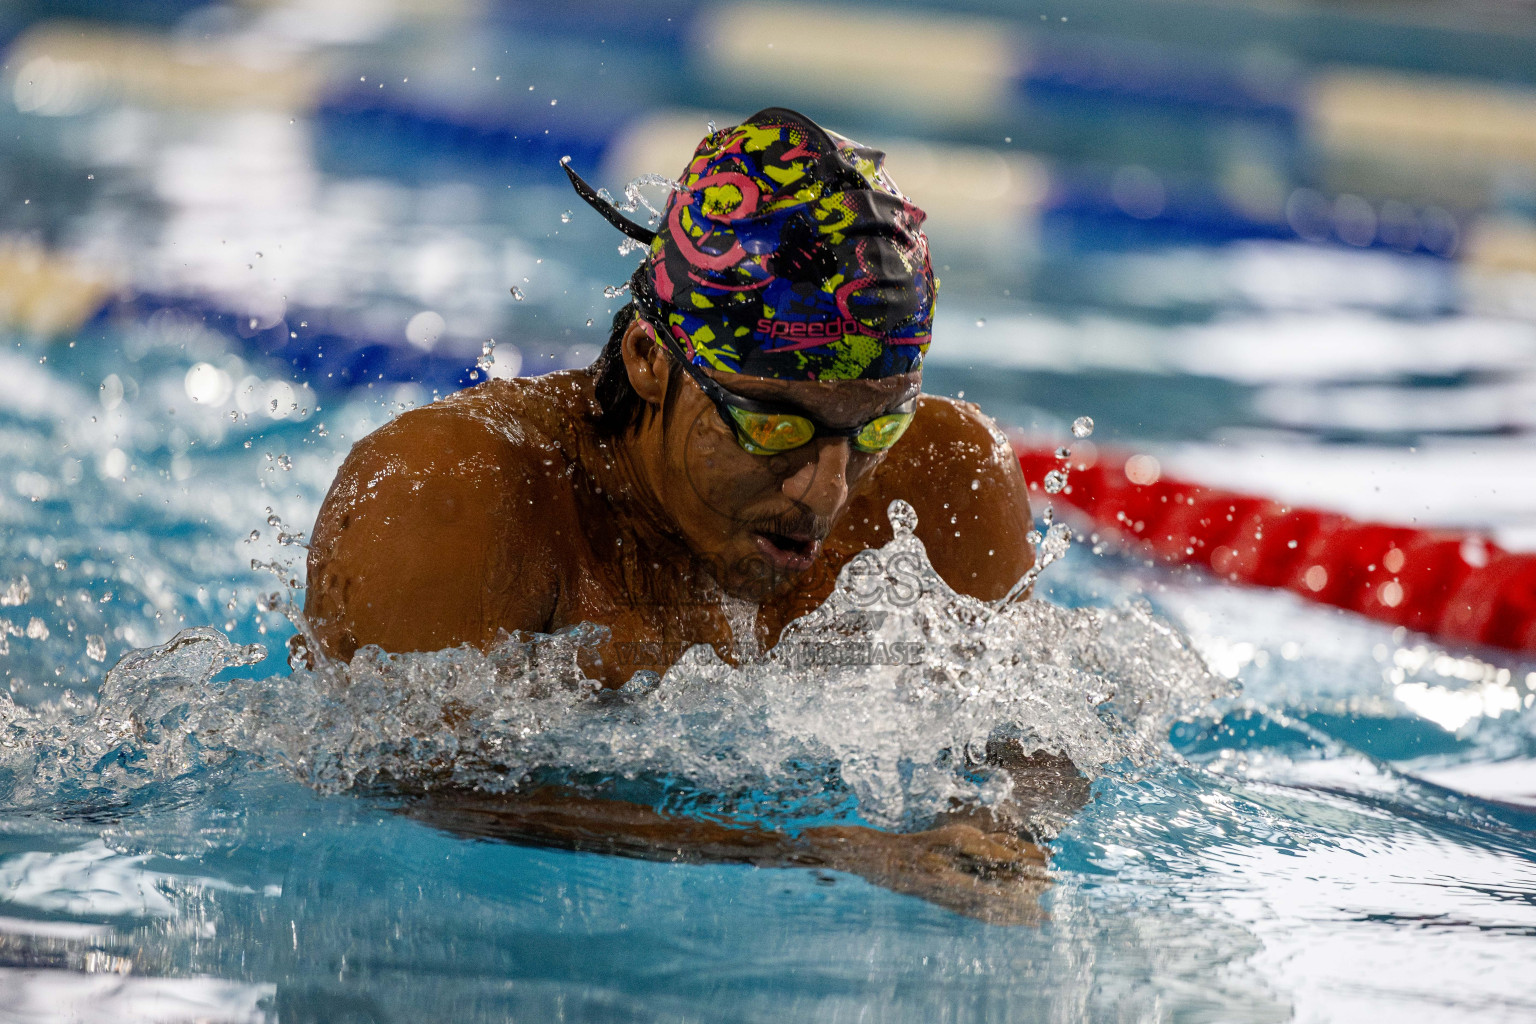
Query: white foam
{"points": [[887, 693]]}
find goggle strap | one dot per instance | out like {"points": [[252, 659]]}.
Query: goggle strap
{"points": [[638, 232]]}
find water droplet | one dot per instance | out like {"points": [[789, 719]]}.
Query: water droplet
{"points": [[17, 592], [253, 537], [487, 359], [96, 647], [975, 485], [1082, 426], [1055, 480], [614, 291], [90, 177], [565, 218], [1063, 452], [589, 321], [284, 463], [981, 321], [517, 293], [903, 517]]}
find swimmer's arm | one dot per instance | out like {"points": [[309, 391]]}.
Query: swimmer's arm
{"points": [[426, 541], [995, 877], [962, 477]]}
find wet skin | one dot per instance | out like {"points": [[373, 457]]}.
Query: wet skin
{"points": [[996, 877], [503, 508]]}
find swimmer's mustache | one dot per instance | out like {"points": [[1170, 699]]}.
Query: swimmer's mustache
{"points": [[801, 526]]}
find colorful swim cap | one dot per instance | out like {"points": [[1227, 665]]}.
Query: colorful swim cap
{"points": [[788, 252]]}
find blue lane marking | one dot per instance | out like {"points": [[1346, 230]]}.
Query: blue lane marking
{"points": [[1139, 74], [1134, 72], [328, 355], [524, 138], [493, 133]]}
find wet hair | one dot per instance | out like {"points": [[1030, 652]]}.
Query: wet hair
{"points": [[620, 407]]}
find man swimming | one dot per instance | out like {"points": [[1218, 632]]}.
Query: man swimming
{"points": [[755, 410]]}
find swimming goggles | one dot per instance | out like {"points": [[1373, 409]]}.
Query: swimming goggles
{"points": [[763, 428]]}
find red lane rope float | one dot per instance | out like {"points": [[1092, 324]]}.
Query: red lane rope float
{"points": [[1451, 584]]}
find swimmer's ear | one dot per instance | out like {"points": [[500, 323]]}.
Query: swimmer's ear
{"points": [[645, 361]]}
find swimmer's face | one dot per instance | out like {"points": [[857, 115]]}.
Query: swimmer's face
{"points": [[760, 520]]}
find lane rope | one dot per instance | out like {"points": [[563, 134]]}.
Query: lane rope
{"points": [[1454, 585]]}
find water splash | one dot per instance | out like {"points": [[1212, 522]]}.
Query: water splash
{"points": [[879, 700], [741, 614], [1050, 546], [634, 199]]}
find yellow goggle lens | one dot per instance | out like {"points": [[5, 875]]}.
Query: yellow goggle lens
{"points": [[762, 432], [880, 434], [765, 433]]}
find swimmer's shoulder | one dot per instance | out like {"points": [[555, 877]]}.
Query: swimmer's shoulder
{"points": [[950, 445], [951, 429], [960, 474], [444, 525], [503, 434]]}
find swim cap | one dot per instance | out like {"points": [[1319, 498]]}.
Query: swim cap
{"points": [[789, 252]]}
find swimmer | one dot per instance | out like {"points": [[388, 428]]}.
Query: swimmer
{"points": [[756, 409]]}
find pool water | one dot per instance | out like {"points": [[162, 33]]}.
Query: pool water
{"points": [[1281, 852], [1294, 813]]}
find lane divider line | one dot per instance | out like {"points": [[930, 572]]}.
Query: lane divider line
{"points": [[1453, 585]]}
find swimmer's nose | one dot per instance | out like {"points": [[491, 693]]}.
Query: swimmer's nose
{"points": [[821, 485]]}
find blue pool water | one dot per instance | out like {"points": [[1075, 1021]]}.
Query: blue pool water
{"points": [[1311, 817], [1285, 853]]}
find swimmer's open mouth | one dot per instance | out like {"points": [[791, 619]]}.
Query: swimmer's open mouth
{"points": [[797, 545], [793, 552]]}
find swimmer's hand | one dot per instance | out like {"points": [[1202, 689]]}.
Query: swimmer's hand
{"points": [[992, 876]]}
